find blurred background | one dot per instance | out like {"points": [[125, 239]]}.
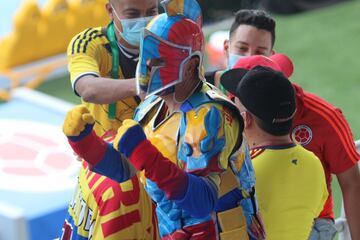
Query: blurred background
{"points": [[37, 170]]}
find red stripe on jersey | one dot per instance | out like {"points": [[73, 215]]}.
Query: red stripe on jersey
{"points": [[119, 199], [95, 178], [338, 124], [121, 222], [84, 164], [328, 108], [89, 174], [256, 152]]}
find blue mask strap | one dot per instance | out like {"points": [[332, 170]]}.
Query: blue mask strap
{"points": [[115, 64]]}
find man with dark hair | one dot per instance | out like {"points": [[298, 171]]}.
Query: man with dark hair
{"points": [[251, 33], [290, 180], [314, 119], [256, 18]]}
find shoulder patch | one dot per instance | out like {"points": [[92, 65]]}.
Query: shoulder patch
{"points": [[302, 134]]}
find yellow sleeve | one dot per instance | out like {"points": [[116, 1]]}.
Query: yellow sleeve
{"points": [[82, 53]]}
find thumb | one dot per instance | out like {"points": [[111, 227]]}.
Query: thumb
{"points": [[88, 118]]}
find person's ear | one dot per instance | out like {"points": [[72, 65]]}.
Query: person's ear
{"points": [[109, 10], [272, 52], [191, 68], [248, 119], [226, 48], [226, 51]]}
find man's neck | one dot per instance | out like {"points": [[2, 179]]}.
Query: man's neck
{"points": [[262, 139], [127, 50]]}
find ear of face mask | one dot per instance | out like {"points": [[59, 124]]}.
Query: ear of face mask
{"points": [[233, 59], [132, 28]]}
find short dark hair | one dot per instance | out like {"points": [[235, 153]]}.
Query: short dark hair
{"points": [[276, 129], [257, 18]]}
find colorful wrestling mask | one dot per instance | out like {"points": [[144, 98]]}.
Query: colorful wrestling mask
{"points": [[169, 41]]}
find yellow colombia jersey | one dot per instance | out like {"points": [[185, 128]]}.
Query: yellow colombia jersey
{"points": [[291, 190], [101, 207], [105, 209], [89, 52]]}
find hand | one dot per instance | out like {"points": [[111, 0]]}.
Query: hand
{"points": [[78, 123], [128, 137]]}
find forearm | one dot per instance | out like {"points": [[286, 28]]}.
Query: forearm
{"points": [[351, 198], [114, 166], [195, 194], [101, 90], [101, 157], [167, 176], [349, 182], [88, 146]]}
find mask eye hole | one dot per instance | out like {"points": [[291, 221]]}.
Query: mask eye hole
{"points": [[187, 149]]}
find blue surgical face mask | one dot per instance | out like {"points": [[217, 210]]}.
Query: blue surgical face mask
{"points": [[233, 59], [132, 28]]}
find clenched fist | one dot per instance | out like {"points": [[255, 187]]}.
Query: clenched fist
{"points": [[128, 137], [78, 121]]}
